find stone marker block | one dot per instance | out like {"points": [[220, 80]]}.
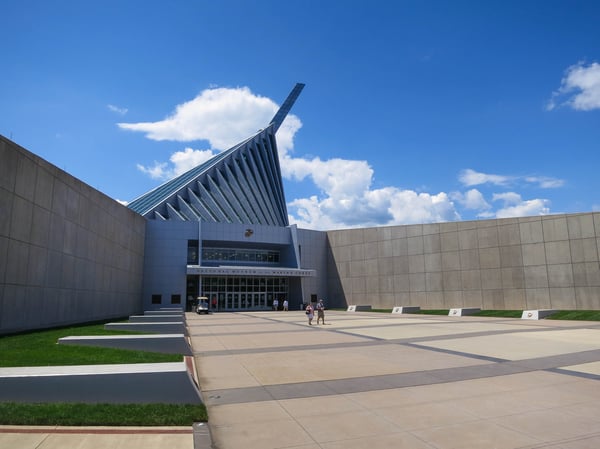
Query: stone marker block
{"points": [[463, 311], [536, 314], [359, 308], [406, 309], [363, 308]]}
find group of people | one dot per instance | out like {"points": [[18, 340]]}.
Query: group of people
{"points": [[285, 305], [310, 312]]}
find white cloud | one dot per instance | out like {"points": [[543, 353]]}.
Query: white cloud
{"points": [[181, 161], [387, 206], [345, 197], [472, 199], [515, 206], [221, 116], [545, 182], [469, 177], [117, 109], [160, 170], [580, 88]]}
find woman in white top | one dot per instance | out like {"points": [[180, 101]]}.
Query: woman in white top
{"points": [[310, 313]]}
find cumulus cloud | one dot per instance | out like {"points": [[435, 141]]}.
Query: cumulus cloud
{"points": [[472, 199], [181, 161], [579, 89], [515, 206], [349, 201], [379, 207], [221, 116], [343, 195]]}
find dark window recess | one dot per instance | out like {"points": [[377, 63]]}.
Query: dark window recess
{"points": [[192, 253], [156, 299], [175, 299]]}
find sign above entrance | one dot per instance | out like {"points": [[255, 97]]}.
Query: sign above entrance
{"points": [[250, 271]]}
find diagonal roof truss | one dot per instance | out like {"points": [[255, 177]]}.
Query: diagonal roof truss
{"points": [[240, 185]]}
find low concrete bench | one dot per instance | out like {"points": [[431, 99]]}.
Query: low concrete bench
{"points": [[156, 318], [164, 312], [463, 311], [152, 328], [406, 309], [164, 343], [536, 314], [359, 309], [140, 383]]}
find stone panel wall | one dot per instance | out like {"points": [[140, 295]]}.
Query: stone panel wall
{"points": [[68, 253], [517, 263]]}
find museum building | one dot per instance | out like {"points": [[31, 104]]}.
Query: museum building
{"points": [[221, 229], [71, 254]]}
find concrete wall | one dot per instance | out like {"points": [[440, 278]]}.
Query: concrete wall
{"points": [[313, 255], [68, 253], [518, 263]]}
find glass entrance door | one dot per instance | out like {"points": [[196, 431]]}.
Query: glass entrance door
{"points": [[238, 293]]}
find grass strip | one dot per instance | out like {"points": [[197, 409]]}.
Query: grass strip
{"points": [[499, 313], [584, 315], [40, 348], [76, 414]]}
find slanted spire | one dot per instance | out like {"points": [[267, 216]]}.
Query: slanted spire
{"points": [[286, 107]]}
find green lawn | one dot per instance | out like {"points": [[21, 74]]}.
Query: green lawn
{"points": [[40, 348], [67, 414]]}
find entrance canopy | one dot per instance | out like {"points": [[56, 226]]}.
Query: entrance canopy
{"points": [[249, 271]]}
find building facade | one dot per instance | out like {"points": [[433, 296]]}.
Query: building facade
{"points": [[70, 254]]}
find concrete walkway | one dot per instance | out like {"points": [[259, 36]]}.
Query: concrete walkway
{"points": [[367, 380]]}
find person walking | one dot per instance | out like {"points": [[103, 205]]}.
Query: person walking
{"points": [[320, 311], [310, 313], [286, 305], [275, 304]]}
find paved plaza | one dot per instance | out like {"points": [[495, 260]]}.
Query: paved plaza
{"points": [[370, 380]]}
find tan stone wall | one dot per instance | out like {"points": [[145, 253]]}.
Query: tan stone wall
{"points": [[517, 263], [68, 253]]}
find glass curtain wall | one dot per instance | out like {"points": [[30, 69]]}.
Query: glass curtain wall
{"points": [[244, 293]]}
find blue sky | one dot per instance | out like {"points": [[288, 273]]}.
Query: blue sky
{"points": [[413, 111]]}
